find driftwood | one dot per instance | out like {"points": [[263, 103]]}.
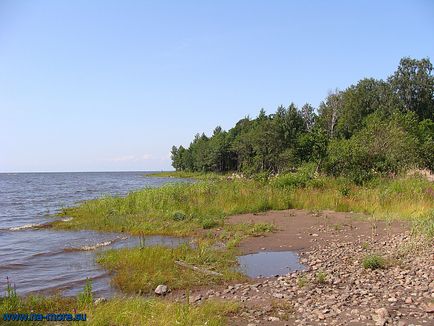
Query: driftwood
{"points": [[198, 269]]}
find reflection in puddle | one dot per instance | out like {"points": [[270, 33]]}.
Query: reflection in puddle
{"points": [[269, 263]]}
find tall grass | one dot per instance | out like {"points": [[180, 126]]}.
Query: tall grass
{"points": [[182, 209], [404, 198], [176, 209]]}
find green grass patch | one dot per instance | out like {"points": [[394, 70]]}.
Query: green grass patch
{"points": [[127, 311], [302, 281], [374, 261], [139, 311], [321, 277], [141, 270]]}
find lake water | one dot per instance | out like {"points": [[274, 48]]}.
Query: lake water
{"points": [[47, 261]]}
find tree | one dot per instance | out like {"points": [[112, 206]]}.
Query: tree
{"points": [[330, 111], [360, 100], [382, 147], [308, 115], [372, 127], [413, 82]]}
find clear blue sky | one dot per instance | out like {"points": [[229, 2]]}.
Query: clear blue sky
{"points": [[112, 85]]}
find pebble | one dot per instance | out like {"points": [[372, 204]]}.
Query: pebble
{"points": [[350, 293]]}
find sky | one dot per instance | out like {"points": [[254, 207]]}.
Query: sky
{"points": [[112, 85]]}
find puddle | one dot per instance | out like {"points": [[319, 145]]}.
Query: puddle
{"points": [[269, 263]]}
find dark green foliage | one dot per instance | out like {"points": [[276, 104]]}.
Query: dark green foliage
{"points": [[298, 179], [382, 147], [374, 127], [413, 82]]}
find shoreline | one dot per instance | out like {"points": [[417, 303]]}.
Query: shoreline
{"points": [[223, 234]]}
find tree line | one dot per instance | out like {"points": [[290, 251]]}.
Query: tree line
{"points": [[374, 127]]}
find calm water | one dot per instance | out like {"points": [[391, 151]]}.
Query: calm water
{"points": [[47, 261], [269, 263]]}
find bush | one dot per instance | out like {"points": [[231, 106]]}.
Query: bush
{"points": [[317, 183], [299, 179], [374, 262], [345, 191]]}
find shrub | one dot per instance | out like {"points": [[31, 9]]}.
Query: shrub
{"points": [[383, 147]]}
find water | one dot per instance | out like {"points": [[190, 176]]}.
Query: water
{"points": [[47, 261], [269, 263]]}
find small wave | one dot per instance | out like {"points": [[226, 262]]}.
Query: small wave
{"points": [[12, 266], [25, 227], [95, 246], [66, 219]]}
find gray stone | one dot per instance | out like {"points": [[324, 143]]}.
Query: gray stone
{"points": [[100, 300], [161, 289]]}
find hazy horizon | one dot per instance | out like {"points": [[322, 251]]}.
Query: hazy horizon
{"points": [[107, 86]]}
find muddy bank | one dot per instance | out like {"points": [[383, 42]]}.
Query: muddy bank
{"points": [[299, 230], [335, 288]]}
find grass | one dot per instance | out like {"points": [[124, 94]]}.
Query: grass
{"points": [[401, 198], [302, 281], [182, 209], [175, 209], [139, 311], [128, 311], [321, 277], [85, 298], [140, 271], [374, 261]]}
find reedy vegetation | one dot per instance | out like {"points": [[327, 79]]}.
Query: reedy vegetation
{"points": [[184, 209]]}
